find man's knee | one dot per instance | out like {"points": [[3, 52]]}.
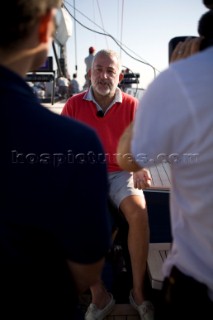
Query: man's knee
{"points": [[134, 209]]}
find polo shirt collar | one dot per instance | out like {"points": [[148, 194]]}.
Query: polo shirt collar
{"points": [[89, 97]]}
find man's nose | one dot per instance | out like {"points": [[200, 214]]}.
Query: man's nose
{"points": [[104, 74]]}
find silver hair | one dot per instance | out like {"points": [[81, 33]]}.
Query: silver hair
{"points": [[109, 53]]}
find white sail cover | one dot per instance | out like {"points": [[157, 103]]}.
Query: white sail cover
{"points": [[64, 30]]}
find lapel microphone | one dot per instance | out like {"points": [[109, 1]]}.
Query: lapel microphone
{"points": [[100, 114]]}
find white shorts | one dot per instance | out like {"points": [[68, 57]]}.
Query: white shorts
{"points": [[121, 185]]}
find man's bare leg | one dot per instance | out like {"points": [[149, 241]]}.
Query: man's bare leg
{"points": [[135, 211]]}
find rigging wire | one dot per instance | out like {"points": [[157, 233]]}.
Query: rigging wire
{"points": [[122, 25], [94, 18], [102, 22], [109, 35], [75, 30], [118, 18]]}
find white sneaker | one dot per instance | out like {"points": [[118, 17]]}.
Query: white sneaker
{"points": [[145, 310], [93, 313]]}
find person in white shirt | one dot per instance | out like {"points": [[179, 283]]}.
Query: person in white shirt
{"points": [[174, 123], [74, 85], [88, 61], [63, 84]]}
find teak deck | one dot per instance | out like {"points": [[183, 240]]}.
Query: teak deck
{"points": [[161, 182], [161, 177]]}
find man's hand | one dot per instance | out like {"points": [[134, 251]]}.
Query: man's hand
{"points": [[142, 179]]}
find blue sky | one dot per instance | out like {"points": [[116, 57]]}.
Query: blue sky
{"points": [[143, 26]]}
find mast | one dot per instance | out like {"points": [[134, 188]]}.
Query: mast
{"points": [[75, 30], [63, 60], [63, 33]]}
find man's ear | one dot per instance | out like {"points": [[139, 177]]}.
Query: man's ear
{"points": [[44, 27], [121, 76]]}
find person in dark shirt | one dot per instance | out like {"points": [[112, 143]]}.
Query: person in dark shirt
{"points": [[54, 228]]}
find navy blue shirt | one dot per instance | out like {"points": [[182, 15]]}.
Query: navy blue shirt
{"points": [[53, 204]]}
